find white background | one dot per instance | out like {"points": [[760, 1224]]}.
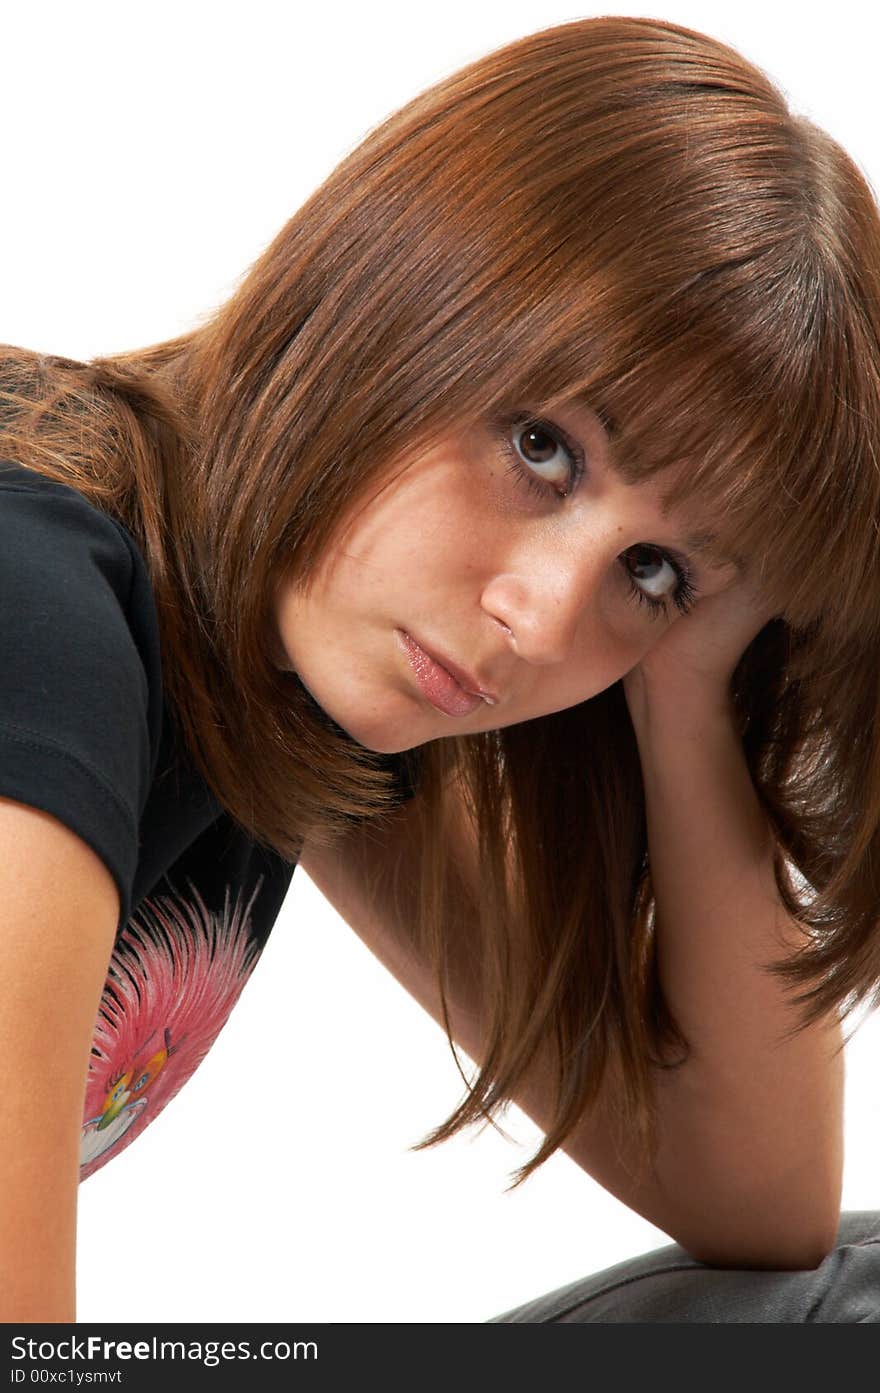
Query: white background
{"points": [[149, 154]]}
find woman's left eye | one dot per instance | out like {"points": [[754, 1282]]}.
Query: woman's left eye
{"points": [[683, 595], [543, 456]]}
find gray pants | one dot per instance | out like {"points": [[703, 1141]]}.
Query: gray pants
{"points": [[668, 1285]]}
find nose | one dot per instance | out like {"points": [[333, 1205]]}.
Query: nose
{"points": [[549, 597]]}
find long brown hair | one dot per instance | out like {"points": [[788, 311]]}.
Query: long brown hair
{"points": [[617, 210]]}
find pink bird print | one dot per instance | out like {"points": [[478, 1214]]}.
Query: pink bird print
{"points": [[176, 972]]}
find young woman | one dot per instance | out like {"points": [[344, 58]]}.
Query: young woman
{"points": [[481, 554]]}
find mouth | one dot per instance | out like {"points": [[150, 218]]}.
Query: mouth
{"points": [[437, 683]]}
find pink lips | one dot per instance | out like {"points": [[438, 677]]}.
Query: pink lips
{"points": [[437, 685]]}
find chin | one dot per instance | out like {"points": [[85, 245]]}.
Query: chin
{"points": [[371, 738]]}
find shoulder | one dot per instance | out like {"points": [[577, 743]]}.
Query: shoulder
{"points": [[80, 682], [76, 595], [56, 524], [58, 548]]}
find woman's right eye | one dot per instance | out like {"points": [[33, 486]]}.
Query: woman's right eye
{"points": [[533, 446]]}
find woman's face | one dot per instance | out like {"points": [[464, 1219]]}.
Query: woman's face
{"points": [[531, 592]]}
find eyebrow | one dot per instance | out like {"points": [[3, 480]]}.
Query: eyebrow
{"points": [[702, 544]]}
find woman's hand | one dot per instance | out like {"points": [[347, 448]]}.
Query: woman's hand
{"points": [[697, 655]]}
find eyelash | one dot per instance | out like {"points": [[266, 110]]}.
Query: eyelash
{"points": [[685, 594]]}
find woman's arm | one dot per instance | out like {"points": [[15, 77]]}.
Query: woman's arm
{"points": [[60, 911], [751, 1136], [750, 1130]]}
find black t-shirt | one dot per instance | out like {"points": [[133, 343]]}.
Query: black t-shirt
{"points": [[87, 735]]}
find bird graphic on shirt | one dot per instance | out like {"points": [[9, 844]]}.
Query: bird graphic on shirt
{"points": [[125, 1100], [176, 972]]}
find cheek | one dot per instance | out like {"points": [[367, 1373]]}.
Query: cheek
{"points": [[418, 531], [606, 654], [628, 625], [652, 632]]}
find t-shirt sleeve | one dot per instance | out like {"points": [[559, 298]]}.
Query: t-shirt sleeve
{"points": [[75, 725]]}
